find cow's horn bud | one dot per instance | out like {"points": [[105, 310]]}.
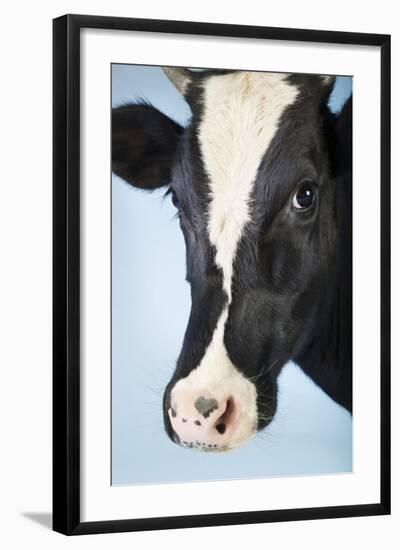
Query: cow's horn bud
{"points": [[327, 79], [179, 77]]}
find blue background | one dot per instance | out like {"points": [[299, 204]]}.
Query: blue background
{"points": [[150, 307]]}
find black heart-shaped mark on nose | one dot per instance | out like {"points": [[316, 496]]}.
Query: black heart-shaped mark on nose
{"points": [[205, 406]]}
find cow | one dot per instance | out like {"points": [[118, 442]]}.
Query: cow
{"points": [[261, 181]]}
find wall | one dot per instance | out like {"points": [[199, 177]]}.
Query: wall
{"points": [[25, 290]]}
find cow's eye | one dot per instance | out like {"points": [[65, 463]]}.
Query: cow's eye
{"points": [[175, 200], [304, 196]]}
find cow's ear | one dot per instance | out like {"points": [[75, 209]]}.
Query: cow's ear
{"points": [[344, 138], [144, 143]]}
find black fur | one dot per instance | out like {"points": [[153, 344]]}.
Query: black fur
{"points": [[291, 288]]}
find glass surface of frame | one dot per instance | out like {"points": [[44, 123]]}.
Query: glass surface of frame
{"points": [[93, 505], [310, 433]]}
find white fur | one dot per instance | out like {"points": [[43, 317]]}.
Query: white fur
{"points": [[241, 116], [216, 376]]}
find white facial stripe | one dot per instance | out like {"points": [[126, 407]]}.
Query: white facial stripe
{"points": [[241, 116]]}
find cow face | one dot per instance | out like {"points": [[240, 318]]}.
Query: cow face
{"points": [[253, 183]]}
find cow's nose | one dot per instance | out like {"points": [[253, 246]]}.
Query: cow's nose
{"points": [[204, 421]]}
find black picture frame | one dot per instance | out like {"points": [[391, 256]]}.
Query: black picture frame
{"points": [[66, 273]]}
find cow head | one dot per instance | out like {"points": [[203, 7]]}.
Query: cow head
{"points": [[253, 180]]}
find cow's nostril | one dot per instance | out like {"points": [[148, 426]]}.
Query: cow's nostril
{"points": [[224, 420], [220, 428]]}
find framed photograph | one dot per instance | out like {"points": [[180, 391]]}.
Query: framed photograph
{"points": [[221, 274]]}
